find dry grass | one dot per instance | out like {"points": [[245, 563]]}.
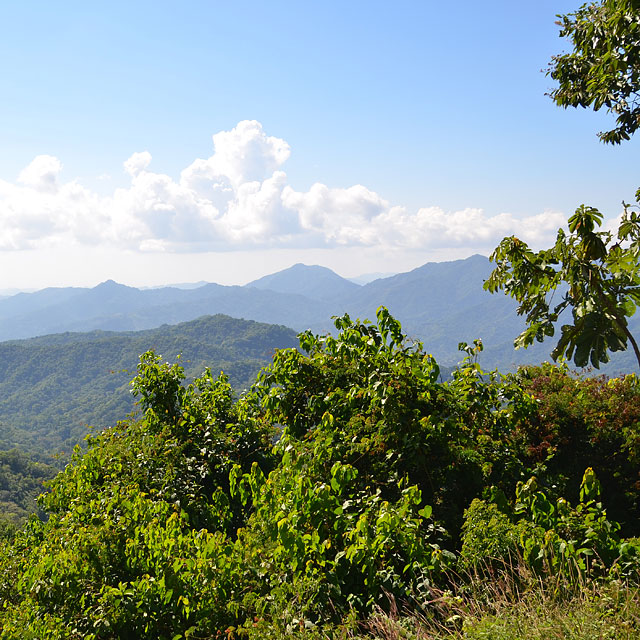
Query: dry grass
{"points": [[507, 605]]}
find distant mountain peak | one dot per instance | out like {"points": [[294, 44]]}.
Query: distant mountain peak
{"points": [[301, 266], [312, 281], [112, 284]]}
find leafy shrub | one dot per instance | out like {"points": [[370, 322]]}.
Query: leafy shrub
{"points": [[490, 536], [370, 399], [331, 546], [584, 422], [336, 487], [550, 537], [580, 538]]}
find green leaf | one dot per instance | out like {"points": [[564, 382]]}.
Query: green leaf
{"points": [[426, 511]]}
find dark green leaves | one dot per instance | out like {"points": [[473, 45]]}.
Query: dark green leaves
{"points": [[584, 220]]}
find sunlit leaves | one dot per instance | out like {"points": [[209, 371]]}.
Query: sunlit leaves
{"points": [[603, 69], [595, 274]]}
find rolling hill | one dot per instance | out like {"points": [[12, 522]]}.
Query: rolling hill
{"points": [[53, 387]]}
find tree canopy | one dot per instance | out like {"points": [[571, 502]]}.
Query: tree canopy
{"points": [[603, 69]]}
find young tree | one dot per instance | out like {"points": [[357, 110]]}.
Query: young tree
{"points": [[595, 273]]}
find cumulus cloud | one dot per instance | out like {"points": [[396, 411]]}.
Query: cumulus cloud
{"points": [[42, 173], [238, 198], [137, 163]]}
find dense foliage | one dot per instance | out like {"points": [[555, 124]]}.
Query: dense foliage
{"points": [[349, 478], [21, 482], [585, 422]]}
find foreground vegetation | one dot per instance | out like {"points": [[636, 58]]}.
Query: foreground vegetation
{"points": [[349, 488]]}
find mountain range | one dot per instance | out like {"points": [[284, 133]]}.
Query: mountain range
{"points": [[440, 304]]}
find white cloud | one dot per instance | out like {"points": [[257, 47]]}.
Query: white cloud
{"points": [[432, 227], [239, 198], [42, 173], [246, 154], [339, 216], [137, 162]]}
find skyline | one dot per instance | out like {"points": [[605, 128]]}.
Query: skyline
{"points": [[157, 144]]}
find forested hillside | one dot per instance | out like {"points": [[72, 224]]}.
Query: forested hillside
{"points": [[53, 387], [21, 482]]}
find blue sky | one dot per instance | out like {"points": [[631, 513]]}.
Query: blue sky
{"points": [[365, 136]]}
